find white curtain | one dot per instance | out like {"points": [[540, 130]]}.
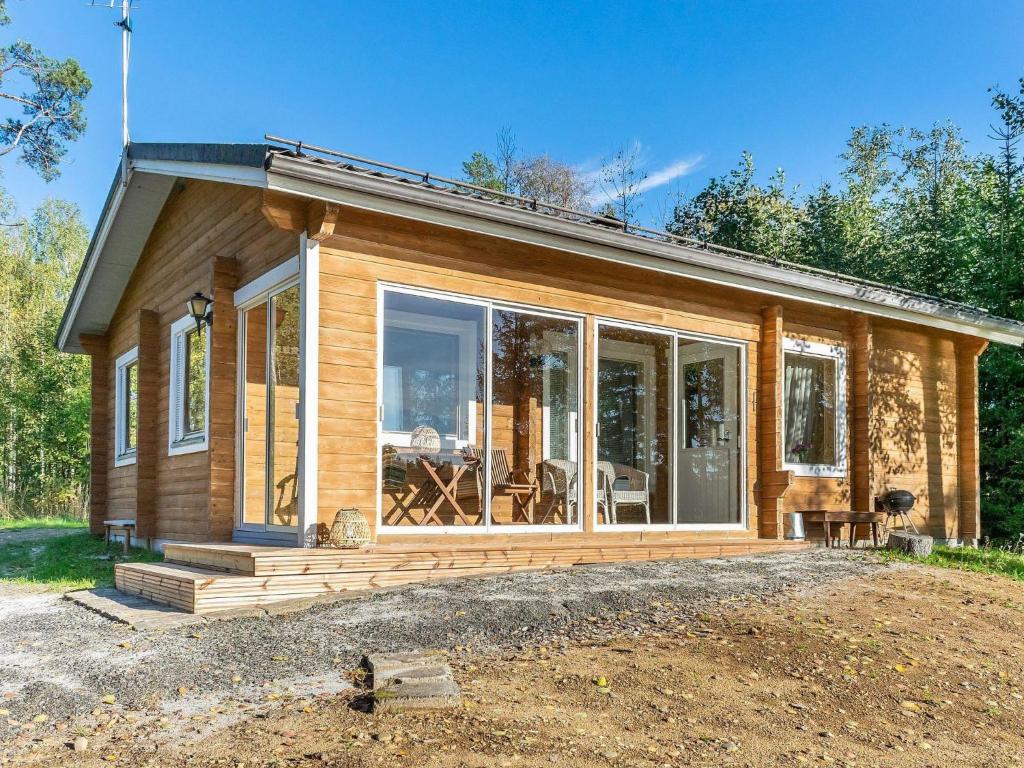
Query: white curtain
{"points": [[801, 410]]}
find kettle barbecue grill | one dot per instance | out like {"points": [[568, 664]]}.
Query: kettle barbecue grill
{"points": [[897, 504]]}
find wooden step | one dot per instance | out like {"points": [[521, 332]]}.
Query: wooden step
{"points": [[249, 560], [201, 578]]}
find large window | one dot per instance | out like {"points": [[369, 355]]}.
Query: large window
{"points": [[126, 407], [189, 387], [815, 408], [479, 413], [669, 443]]}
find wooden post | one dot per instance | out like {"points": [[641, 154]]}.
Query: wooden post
{"points": [[968, 473], [862, 477], [100, 430], [147, 445], [773, 482], [223, 341]]}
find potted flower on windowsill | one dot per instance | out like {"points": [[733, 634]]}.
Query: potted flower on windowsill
{"points": [[802, 450]]}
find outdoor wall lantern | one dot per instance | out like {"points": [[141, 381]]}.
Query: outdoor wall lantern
{"points": [[200, 307]]}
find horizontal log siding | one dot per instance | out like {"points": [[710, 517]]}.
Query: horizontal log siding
{"points": [[200, 221], [913, 422], [367, 249]]}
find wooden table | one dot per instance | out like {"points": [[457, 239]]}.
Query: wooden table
{"points": [[435, 491], [124, 526], [826, 517]]}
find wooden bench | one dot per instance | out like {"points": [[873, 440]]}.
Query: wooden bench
{"points": [[124, 526], [843, 517]]}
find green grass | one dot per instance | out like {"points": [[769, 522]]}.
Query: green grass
{"points": [[21, 523], [65, 563], [983, 560]]}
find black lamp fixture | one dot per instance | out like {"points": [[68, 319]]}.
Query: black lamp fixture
{"points": [[200, 307]]}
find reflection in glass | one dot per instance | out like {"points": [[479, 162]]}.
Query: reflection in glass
{"points": [[710, 440], [635, 414], [254, 438], [534, 452], [284, 417], [432, 390]]}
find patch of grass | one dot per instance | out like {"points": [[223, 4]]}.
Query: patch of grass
{"points": [[21, 523], [983, 560], [65, 563]]}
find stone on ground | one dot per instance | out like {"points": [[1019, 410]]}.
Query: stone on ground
{"points": [[412, 681], [916, 544]]}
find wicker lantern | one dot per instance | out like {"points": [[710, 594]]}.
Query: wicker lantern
{"points": [[350, 529]]}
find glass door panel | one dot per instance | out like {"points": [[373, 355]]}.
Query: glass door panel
{"points": [[433, 385], [635, 422], [254, 416], [270, 413], [709, 431], [534, 408], [283, 443]]}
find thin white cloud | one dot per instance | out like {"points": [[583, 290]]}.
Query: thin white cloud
{"points": [[592, 173], [670, 173]]}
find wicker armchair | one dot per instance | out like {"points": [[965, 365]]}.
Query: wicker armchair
{"points": [[558, 482], [635, 494]]}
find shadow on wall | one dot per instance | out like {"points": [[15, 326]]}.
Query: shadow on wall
{"points": [[913, 427]]}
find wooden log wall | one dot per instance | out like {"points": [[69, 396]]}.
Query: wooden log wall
{"points": [[100, 435], [967, 352]]}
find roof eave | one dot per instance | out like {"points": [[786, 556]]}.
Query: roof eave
{"points": [[298, 176]]}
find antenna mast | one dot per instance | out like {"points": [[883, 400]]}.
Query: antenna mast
{"points": [[126, 46], [125, 25]]}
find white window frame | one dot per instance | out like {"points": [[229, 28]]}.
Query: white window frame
{"points": [[465, 332], [489, 305], [178, 441], [123, 456], [837, 353], [675, 334]]}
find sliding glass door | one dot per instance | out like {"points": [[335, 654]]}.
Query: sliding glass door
{"points": [[269, 352], [669, 429], [479, 414], [709, 430]]}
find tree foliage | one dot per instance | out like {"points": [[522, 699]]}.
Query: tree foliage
{"points": [[47, 97], [44, 395], [914, 209]]}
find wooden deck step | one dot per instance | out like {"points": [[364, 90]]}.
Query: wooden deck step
{"points": [[249, 560], [201, 578]]}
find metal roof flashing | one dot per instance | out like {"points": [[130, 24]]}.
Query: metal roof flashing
{"points": [[130, 212]]}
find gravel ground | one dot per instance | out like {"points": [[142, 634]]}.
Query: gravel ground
{"points": [[59, 659]]}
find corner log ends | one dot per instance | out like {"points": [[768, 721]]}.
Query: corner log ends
{"points": [[773, 481], [317, 218]]}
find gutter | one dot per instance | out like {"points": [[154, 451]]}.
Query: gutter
{"points": [[414, 201]]}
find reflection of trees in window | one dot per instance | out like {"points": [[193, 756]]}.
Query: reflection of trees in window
{"points": [[426, 369], [131, 416], [195, 381], [620, 393], [704, 388]]}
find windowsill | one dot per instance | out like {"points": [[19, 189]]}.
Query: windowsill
{"points": [[815, 470], [125, 460], [193, 445]]}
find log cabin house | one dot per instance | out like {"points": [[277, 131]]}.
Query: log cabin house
{"points": [[492, 383]]}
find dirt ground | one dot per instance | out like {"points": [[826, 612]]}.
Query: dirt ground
{"points": [[905, 667]]}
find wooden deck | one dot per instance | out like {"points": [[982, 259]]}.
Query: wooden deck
{"points": [[202, 578]]}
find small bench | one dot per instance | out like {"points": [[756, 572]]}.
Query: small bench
{"points": [[827, 517], [124, 526]]}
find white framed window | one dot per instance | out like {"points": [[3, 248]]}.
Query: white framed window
{"points": [[188, 403], [814, 408], [126, 407]]}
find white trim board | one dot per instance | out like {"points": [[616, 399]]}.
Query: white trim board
{"points": [[179, 443], [309, 379], [837, 353]]}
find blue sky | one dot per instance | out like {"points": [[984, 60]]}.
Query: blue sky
{"points": [[425, 84]]}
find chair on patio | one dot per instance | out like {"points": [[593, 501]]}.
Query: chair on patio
{"points": [[506, 481], [558, 481], [611, 494]]}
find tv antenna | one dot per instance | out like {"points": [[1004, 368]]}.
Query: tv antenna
{"points": [[125, 25]]}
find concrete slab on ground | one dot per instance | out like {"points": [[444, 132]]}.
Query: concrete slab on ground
{"points": [[412, 681]]}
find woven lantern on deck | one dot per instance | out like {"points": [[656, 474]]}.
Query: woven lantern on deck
{"points": [[350, 529]]}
